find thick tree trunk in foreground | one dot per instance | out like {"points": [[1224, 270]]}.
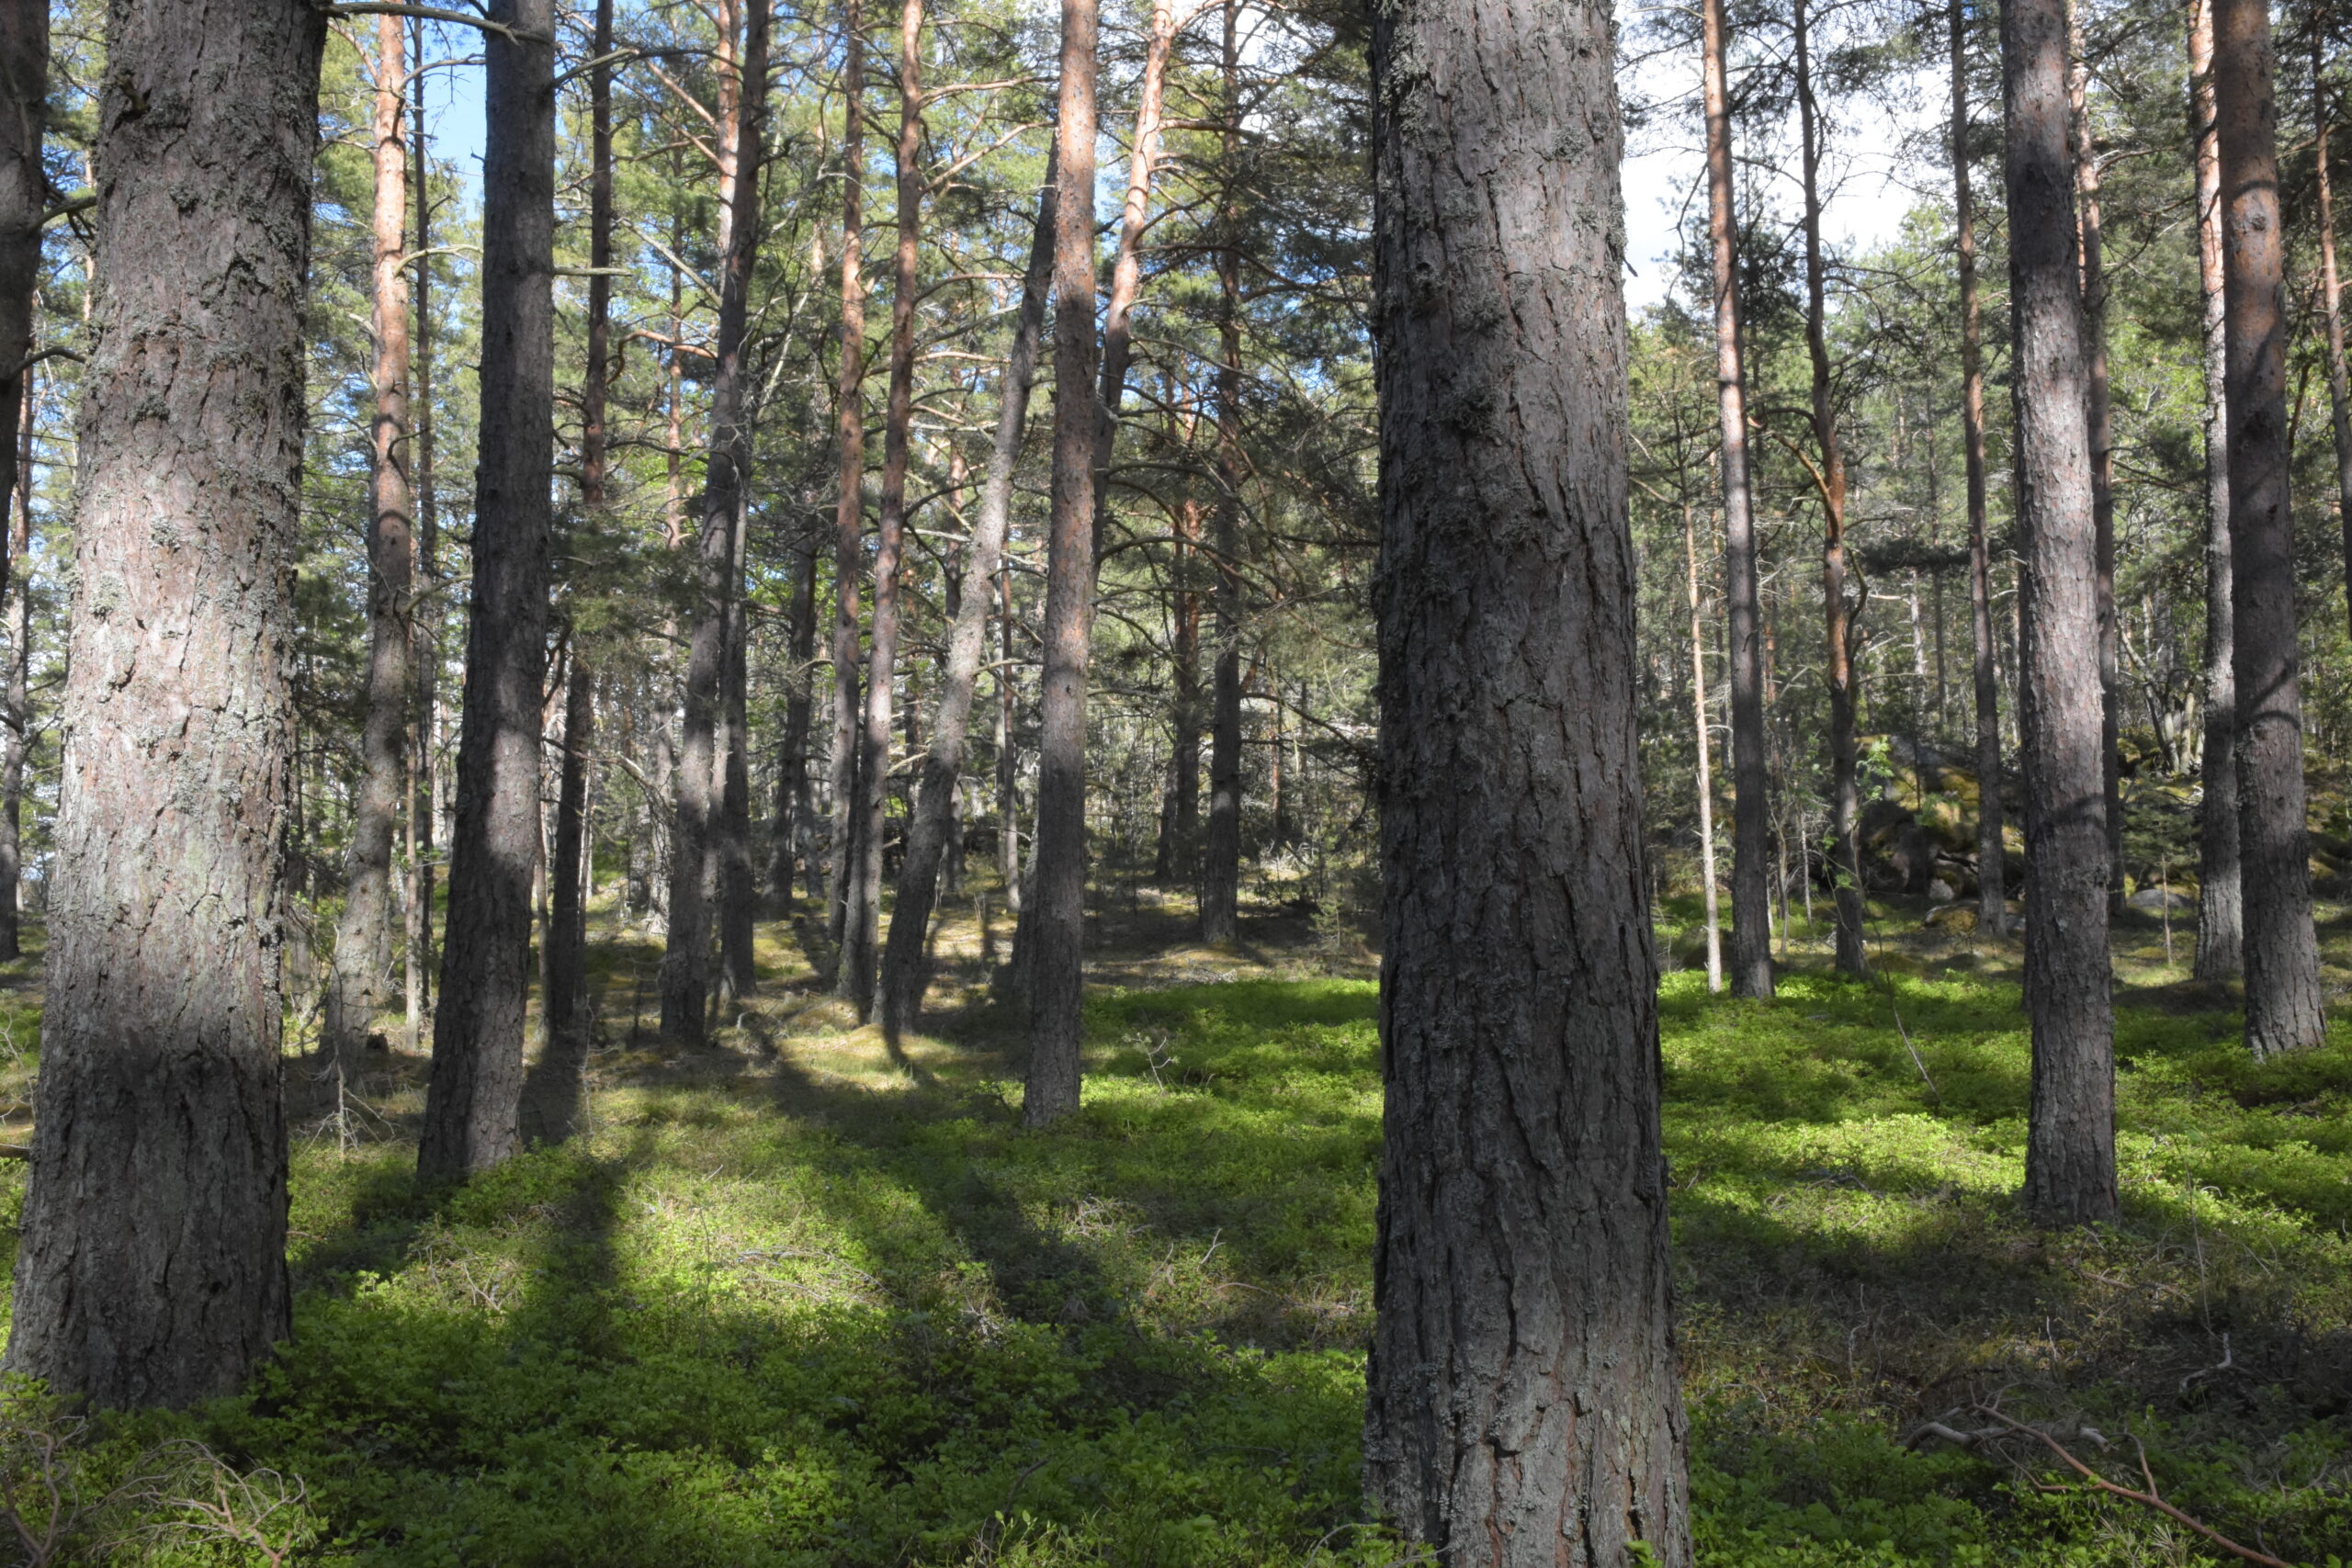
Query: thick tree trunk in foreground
{"points": [[1056, 920], [849, 516], [1221, 852], [1837, 663], [1752, 917], [1991, 906], [2283, 1004], [1523, 1403], [905, 970], [24, 91], [151, 1267], [2070, 1145], [2101, 416], [695, 867], [472, 1113], [860, 940], [361, 986], [2221, 900]]}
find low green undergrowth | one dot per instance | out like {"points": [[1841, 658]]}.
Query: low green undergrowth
{"points": [[821, 1306]]}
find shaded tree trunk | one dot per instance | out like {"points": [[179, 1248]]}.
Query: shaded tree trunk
{"points": [[905, 969], [1991, 906], [159, 1149], [473, 1103], [792, 802], [1829, 478], [360, 986], [1523, 1405], [2283, 1006], [2220, 901], [1751, 920], [696, 846], [1054, 942], [1221, 854], [24, 91], [2070, 1143], [1008, 759], [15, 720], [2339, 395], [2101, 416], [849, 517]]}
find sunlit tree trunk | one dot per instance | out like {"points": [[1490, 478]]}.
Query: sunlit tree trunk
{"points": [[424, 617], [2220, 903], [1056, 921], [2283, 1006], [1751, 920], [1706, 770], [151, 1266], [361, 984], [472, 1114], [849, 516], [2070, 1141], [1524, 1403]]}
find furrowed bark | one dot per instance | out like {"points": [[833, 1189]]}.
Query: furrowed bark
{"points": [[905, 970], [472, 1113], [2070, 1141], [2283, 1004], [1523, 1403], [1751, 920], [361, 985], [151, 1269], [1057, 919]]}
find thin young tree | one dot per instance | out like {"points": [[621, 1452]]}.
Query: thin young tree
{"points": [[24, 91], [361, 984], [849, 512], [1751, 828], [1523, 1401], [2283, 1003], [1221, 850], [1828, 467], [2220, 894], [1706, 780], [424, 608], [2070, 1141], [904, 969], [1055, 918], [2331, 294], [472, 1112], [1991, 903], [701, 774], [159, 1155]]}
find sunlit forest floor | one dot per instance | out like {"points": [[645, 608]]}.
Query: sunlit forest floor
{"points": [[811, 1298]]}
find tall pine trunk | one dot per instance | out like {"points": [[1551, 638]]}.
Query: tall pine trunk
{"points": [[1991, 905], [1221, 854], [905, 969], [2101, 416], [2070, 1141], [1523, 1405], [472, 1112], [1751, 918], [1829, 478], [1698, 731], [849, 515], [361, 984], [2283, 1006], [2339, 394], [2221, 895], [159, 1155], [424, 619], [696, 852], [1055, 939], [24, 91]]}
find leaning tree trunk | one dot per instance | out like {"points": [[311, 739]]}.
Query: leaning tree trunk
{"points": [[1991, 907], [1221, 852], [849, 516], [2221, 895], [2283, 1006], [701, 775], [152, 1261], [904, 964], [472, 1112], [1524, 1403], [2070, 1141], [1837, 663], [1127, 263], [361, 984], [860, 940], [24, 91], [1751, 916], [1055, 918]]}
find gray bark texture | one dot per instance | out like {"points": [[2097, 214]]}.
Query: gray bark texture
{"points": [[2283, 1004], [151, 1267], [2070, 1143], [1523, 1407], [473, 1104]]}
